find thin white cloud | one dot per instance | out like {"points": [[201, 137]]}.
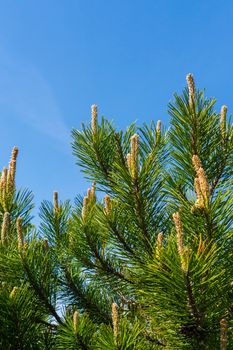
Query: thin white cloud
{"points": [[27, 94]]}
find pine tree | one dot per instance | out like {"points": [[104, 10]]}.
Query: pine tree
{"points": [[144, 260]]}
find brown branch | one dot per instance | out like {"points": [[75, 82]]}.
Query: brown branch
{"points": [[192, 304]]}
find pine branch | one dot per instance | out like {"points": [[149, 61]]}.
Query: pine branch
{"points": [[122, 240], [153, 340], [105, 266], [39, 291], [192, 304], [119, 149], [85, 301], [141, 215], [219, 174], [81, 342]]}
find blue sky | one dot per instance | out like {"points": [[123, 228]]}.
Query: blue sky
{"points": [[58, 57]]}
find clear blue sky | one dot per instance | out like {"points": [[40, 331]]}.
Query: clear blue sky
{"points": [[58, 57]]}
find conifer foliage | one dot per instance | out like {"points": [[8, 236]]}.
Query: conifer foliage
{"points": [[145, 259]]}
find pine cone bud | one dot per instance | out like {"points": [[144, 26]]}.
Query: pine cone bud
{"points": [[159, 245], [89, 194], [94, 121], [191, 88], [204, 185], [160, 240], [199, 202], [128, 158], [75, 321], [196, 162], [93, 190], [179, 232], [158, 131], [84, 209], [115, 321], [201, 184], [5, 226], [223, 120], [107, 204], [12, 170], [55, 202], [158, 126], [3, 181], [134, 155]]}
